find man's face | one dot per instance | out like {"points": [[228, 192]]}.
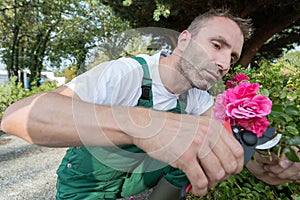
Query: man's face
{"points": [[208, 56]]}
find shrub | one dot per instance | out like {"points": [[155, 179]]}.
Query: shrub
{"points": [[281, 82], [13, 91]]}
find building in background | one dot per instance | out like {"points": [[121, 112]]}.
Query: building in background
{"points": [[45, 76], [3, 76]]}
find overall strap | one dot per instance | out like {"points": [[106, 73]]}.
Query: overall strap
{"points": [[146, 78], [146, 97]]}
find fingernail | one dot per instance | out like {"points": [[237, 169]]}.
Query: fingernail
{"points": [[284, 163]]}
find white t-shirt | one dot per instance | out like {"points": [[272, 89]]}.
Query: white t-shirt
{"points": [[118, 82]]}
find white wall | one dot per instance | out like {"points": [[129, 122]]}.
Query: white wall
{"points": [[3, 76], [49, 75]]}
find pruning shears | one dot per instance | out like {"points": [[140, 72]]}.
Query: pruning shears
{"points": [[250, 143]]}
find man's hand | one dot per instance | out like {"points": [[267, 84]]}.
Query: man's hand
{"points": [[198, 145], [276, 170]]}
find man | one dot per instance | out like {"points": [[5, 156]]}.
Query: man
{"points": [[96, 115]]}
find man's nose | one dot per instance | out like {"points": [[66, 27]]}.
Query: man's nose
{"points": [[223, 66], [224, 63]]}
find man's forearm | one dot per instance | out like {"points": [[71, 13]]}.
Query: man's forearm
{"points": [[52, 119]]}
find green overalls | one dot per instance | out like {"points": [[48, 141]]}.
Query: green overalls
{"points": [[83, 174]]}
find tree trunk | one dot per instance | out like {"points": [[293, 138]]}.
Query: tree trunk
{"points": [[261, 36], [38, 55]]}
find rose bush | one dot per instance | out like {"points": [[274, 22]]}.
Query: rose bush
{"points": [[280, 81], [12, 91], [242, 106]]}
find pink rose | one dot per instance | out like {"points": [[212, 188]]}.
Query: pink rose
{"points": [[242, 106], [242, 90], [236, 79], [247, 108], [220, 110], [230, 84], [220, 107], [265, 105], [256, 125], [240, 77]]}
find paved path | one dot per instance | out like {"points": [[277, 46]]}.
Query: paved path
{"points": [[27, 172]]}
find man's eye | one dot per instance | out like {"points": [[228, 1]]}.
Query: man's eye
{"points": [[232, 60], [216, 45]]}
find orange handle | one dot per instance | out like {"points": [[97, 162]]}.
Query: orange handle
{"points": [[228, 127]]}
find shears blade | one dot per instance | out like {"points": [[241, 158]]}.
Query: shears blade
{"points": [[269, 144]]}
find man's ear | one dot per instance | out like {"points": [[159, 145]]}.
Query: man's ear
{"points": [[183, 40]]}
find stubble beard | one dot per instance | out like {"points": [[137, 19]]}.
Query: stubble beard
{"points": [[193, 76]]}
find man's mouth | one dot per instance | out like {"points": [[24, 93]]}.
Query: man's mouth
{"points": [[214, 76]]}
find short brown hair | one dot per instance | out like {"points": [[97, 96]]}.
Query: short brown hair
{"points": [[244, 24]]}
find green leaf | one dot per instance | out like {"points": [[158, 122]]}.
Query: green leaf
{"points": [[289, 103], [287, 117], [291, 154], [277, 108], [127, 2], [292, 96], [291, 129], [282, 95], [292, 110], [265, 92], [295, 141]]}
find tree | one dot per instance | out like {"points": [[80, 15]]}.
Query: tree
{"points": [[83, 31], [130, 43], [279, 43], [292, 57], [26, 31], [35, 30], [270, 17], [70, 72]]}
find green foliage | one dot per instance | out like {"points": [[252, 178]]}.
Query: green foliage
{"points": [[245, 187], [70, 72], [280, 42], [162, 9], [13, 91], [128, 44], [281, 82], [33, 31]]}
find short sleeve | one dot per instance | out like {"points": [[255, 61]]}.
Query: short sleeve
{"points": [[198, 101], [111, 83]]}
